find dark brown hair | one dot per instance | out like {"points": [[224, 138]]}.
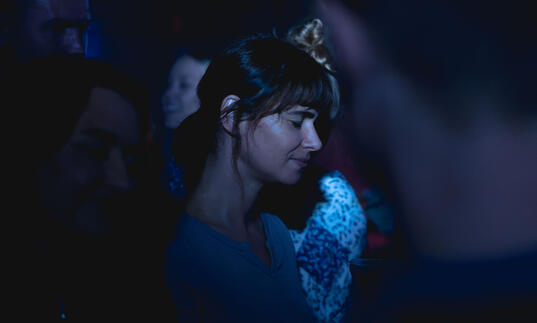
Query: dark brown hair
{"points": [[268, 75]]}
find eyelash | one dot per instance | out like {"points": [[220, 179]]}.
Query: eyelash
{"points": [[296, 124], [97, 151]]}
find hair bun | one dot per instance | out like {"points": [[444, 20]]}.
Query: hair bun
{"points": [[309, 37]]}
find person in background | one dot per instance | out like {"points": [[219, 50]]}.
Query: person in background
{"points": [[90, 250], [262, 102], [39, 28], [445, 108], [31, 29], [178, 101], [180, 98]]}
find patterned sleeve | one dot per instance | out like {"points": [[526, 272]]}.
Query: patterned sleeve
{"points": [[334, 235], [342, 214]]}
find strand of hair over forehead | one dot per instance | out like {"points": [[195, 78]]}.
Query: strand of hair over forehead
{"points": [[263, 66]]}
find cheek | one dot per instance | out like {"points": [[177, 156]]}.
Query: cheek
{"points": [[273, 144], [171, 95], [191, 100], [78, 171], [85, 174]]}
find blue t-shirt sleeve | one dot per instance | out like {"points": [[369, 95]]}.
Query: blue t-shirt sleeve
{"points": [[188, 303]]}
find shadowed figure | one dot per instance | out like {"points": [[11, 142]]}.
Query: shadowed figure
{"points": [[39, 28], [90, 246], [444, 108]]}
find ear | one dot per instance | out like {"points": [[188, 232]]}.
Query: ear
{"points": [[227, 112]]}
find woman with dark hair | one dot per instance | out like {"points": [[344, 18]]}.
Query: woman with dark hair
{"points": [[264, 105]]}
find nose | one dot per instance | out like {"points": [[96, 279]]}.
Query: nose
{"points": [[73, 41], [170, 97], [311, 140], [116, 170]]}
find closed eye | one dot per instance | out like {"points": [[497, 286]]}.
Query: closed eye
{"points": [[94, 149], [296, 123], [185, 85], [59, 24], [297, 117]]}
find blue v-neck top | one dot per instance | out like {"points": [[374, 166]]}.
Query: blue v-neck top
{"points": [[216, 279]]}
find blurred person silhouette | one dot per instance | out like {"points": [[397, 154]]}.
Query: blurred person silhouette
{"points": [[30, 29], [263, 101], [444, 108], [180, 98], [178, 101], [90, 249]]}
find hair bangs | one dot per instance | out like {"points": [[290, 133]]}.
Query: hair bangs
{"points": [[315, 93], [319, 93]]}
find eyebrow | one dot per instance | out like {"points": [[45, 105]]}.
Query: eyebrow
{"points": [[107, 136], [65, 23], [111, 137]]}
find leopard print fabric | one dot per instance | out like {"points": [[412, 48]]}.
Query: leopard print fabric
{"points": [[334, 235]]}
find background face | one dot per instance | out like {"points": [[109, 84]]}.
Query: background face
{"points": [[53, 27], [180, 98], [93, 170]]}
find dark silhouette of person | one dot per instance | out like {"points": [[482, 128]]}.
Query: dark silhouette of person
{"points": [[38, 28], [89, 246], [444, 108]]}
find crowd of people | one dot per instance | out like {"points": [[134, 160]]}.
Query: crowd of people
{"points": [[374, 163]]}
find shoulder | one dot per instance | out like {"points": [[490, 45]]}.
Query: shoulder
{"points": [[185, 266], [277, 230], [185, 245], [275, 226], [273, 221]]}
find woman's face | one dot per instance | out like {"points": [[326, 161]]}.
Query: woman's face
{"points": [[180, 98], [280, 146]]}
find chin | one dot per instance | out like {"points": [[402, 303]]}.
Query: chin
{"points": [[291, 179]]}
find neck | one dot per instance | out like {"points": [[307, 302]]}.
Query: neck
{"points": [[223, 199]]}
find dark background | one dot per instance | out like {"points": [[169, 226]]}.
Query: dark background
{"points": [[142, 37]]}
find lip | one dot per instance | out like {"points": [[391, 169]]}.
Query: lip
{"points": [[300, 162]]}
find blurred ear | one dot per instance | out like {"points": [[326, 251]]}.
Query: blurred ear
{"points": [[354, 52], [227, 113]]}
